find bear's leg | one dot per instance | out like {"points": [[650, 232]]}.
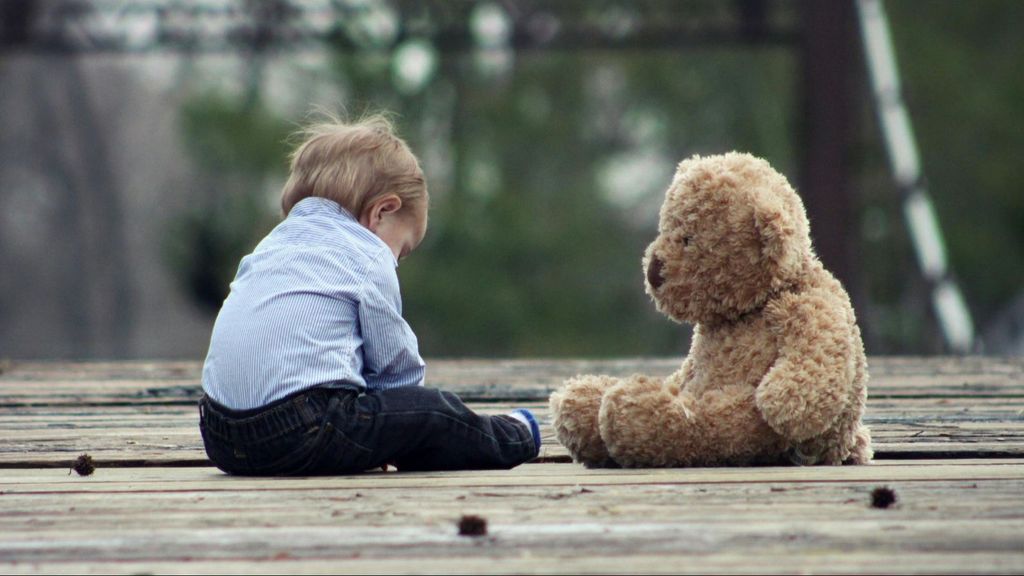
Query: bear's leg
{"points": [[861, 453], [645, 423], [574, 410], [735, 431], [848, 443]]}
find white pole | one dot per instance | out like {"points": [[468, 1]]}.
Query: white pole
{"points": [[926, 236]]}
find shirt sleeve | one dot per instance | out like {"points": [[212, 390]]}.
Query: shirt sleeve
{"points": [[391, 356]]}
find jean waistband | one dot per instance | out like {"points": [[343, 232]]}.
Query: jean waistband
{"points": [[303, 409]]}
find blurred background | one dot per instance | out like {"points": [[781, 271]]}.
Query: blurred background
{"points": [[143, 147]]}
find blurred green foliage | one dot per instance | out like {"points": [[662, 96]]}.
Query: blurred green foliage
{"points": [[237, 143], [959, 63], [529, 253], [965, 90], [237, 134]]}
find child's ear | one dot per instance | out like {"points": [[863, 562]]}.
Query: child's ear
{"points": [[379, 208], [390, 204]]}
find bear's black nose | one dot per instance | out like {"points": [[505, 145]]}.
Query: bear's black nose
{"points": [[654, 273]]}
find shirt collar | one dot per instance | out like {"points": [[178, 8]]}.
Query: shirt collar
{"points": [[318, 205]]}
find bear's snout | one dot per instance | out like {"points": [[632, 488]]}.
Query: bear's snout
{"points": [[654, 277]]}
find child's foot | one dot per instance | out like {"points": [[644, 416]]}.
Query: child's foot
{"points": [[526, 417]]}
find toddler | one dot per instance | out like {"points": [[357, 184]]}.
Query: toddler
{"points": [[311, 367]]}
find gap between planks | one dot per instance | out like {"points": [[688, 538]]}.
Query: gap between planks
{"points": [[48, 481]]}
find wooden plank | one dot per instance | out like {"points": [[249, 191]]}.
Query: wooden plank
{"points": [[136, 436], [503, 505], [510, 371], [27, 384], [168, 435], [142, 413], [184, 448], [543, 518], [130, 505], [525, 560], [878, 410], [953, 516], [45, 481]]}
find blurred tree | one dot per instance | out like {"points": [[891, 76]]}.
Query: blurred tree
{"points": [[971, 135], [543, 197], [238, 145], [959, 64], [546, 167]]}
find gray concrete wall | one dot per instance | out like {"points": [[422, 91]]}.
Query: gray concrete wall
{"points": [[91, 169]]}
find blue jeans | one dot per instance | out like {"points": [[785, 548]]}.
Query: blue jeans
{"points": [[344, 431]]}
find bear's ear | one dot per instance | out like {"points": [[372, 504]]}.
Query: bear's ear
{"points": [[779, 235], [683, 167]]}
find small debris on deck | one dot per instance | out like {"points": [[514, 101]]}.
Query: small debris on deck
{"points": [[471, 525], [83, 465], [883, 497]]}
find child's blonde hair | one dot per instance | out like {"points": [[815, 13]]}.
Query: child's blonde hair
{"points": [[353, 164]]}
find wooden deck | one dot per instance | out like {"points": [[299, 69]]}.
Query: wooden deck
{"points": [[949, 441]]}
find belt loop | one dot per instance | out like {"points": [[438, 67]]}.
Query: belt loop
{"points": [[309, 406], [306, 402], [332, 406], [305, 408]]}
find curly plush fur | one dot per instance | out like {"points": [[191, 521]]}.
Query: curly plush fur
{"points": [[776, 371]]}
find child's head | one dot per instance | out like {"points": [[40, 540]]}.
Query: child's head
{"points": [[368, 170]]}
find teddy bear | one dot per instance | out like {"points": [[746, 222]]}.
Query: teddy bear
{"points": [[776, 372]]}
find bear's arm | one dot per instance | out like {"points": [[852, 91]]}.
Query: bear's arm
{"points": [[679, 379], [808, 386]]}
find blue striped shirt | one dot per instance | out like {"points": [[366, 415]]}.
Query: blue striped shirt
{"points": [[317, 303]]}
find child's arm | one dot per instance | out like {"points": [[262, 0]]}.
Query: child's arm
{"points": [[391, 356]]}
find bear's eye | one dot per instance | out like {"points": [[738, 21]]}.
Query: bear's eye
{"points": [[686, 240]]}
